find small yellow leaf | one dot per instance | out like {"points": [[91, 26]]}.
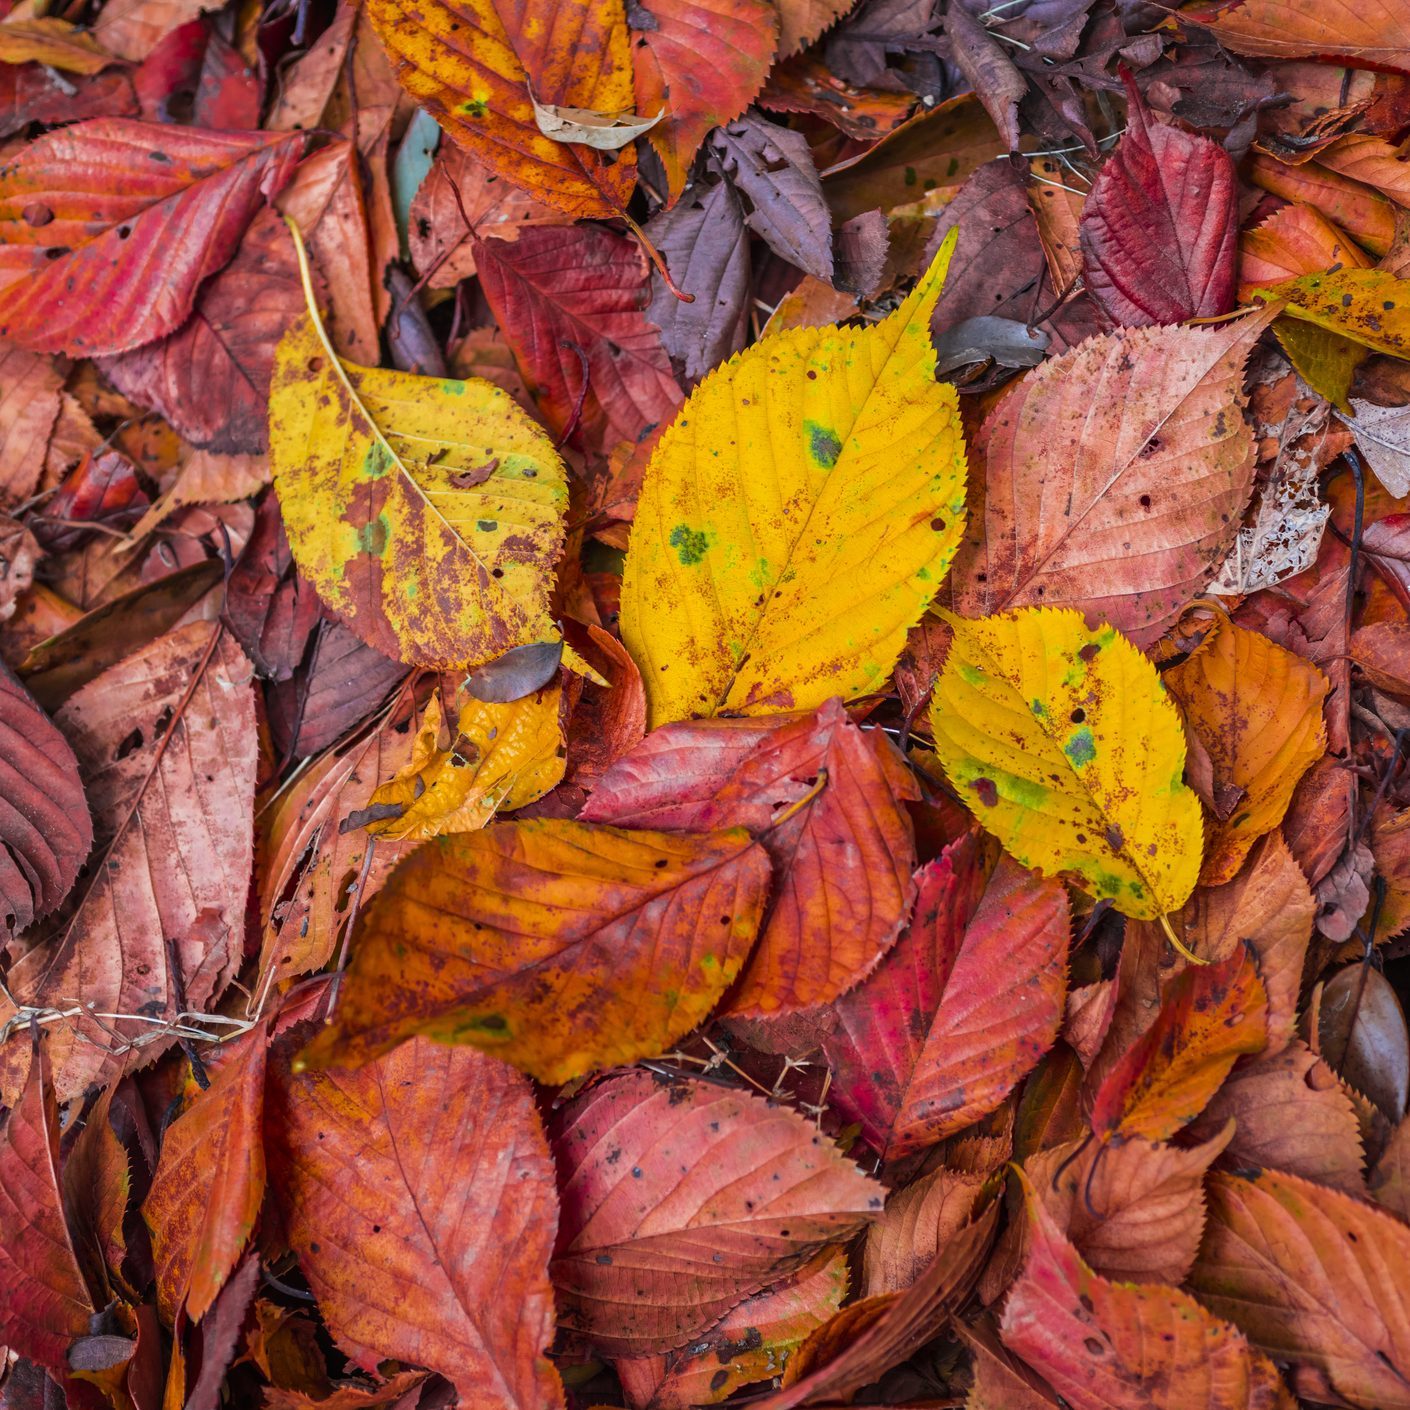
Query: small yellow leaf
{"points": [[796, 519], [1369, 306], [503, 757], [1064, 745], [1257, 708], [426, 511], [52, 41]]}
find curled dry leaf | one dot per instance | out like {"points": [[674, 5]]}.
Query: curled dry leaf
{"points": [[826, 801], [650, 1254], [418, 1194], [432, 482], [1085, 779], [121, 194], [497, 938], [771, 452]]}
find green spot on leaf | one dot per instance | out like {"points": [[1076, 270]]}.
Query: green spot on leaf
{"points": [[823, 445], [689, 544], [372, 537], [377, 461], [1081, 748]]}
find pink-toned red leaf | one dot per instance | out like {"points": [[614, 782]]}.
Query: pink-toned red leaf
{"points": [[681, 1198]]}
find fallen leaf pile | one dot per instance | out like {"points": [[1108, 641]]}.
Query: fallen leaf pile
{"points": [[704, 701]]}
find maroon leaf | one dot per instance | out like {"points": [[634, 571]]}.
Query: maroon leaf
{"points": [[571, 300], [1160, 228], [45, 828]]}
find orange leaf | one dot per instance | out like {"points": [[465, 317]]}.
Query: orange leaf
{"points": [[419, 1197], [209, 1183], [842, 852], [1295, 239], [558, 946], [1210, 1017], [1257, 709], [680, 1198], [1110, 1346], [1313, 1277], [1376, 31]]}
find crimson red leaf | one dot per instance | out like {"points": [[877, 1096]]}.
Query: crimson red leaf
{"points": [[419, 1198], [44, 1303], [1160, 228], [121, 199], [842, 853], [571, 301], [45, 828], [680, 1198], [1000, 976]]}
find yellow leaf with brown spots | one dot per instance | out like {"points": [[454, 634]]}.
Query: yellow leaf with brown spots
{"points": [[502, 757], [426, 511], [1062, 742], [796, 519], [1257, 708], [1369, 306]]}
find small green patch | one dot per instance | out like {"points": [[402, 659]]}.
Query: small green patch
{"points": [[373, 537], [1040, 711], [970, 675], [486, 526], [1081, 748], [474, 107], [487, 1023], [453, 387], [377, 461], [689, 544], [823, 445]]}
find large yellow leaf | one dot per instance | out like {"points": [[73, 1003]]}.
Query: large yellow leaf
{"points": [[1257, 709], [1369, 306], [502, 756], [1063, 743], [426, 511], [796, 518]]}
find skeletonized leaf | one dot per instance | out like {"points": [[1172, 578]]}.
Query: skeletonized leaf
{"points": [[838, 460], [1210, 1017], [419, 1197], [1116, 478], [558, 946], [45, 828], [1063, 743], [123, 198], [209, 1183], [1111, 1346], [44, 1302], [166, 745], [827, 802], [681, 1198], [1313, 1277], [1257, 709], [471, 64], [427, 512]]}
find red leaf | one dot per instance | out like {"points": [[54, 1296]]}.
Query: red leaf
{"points": [[988, 999], [124, 198], [1160, 228], [842, 859], [680, 1198], [419, 1197], [211, 379], [44, 1302], [45, 829], [1113, 1346], [560, 288]]}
